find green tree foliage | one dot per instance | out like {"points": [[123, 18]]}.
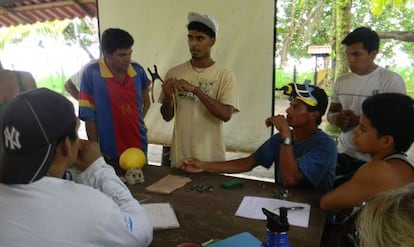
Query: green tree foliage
{"points": [[75, 32], [54, 81], [82, 33], [299, 25], [390, 20], [16, 34], [302, 23], [378, 6]]}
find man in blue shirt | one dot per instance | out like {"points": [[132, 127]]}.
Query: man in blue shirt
{"points": [[303, 154]]}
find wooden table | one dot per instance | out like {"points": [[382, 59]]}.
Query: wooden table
{"points": [[211, 214]]}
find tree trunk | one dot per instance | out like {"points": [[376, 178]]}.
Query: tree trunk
{"points": [[343, 22], [288, 38], [294, 29]]}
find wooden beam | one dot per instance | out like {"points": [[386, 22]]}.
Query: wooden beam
{"points": [[16, 15], [397, 35], [83, 7], [48, 5]]}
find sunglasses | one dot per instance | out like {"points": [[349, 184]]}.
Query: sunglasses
{"points": [[301, 92], [306, 94]]}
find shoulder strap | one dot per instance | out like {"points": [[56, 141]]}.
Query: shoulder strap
{"points": [[19, 81], [402, 157]]}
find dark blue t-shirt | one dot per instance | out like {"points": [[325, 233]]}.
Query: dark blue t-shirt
{"points": [[316, 158]]}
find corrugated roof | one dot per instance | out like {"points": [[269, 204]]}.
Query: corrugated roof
{"points": [[15, 12]]}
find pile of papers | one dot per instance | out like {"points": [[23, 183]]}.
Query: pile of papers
{"points": [[161, 215]]}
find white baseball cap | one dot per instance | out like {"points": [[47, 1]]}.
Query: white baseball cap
{"points": [[205, 19]]}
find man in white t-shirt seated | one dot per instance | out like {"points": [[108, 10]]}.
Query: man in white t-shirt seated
{"points": [[38, 207]]}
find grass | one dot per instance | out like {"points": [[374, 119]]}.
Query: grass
{"points": [[55, 82]]}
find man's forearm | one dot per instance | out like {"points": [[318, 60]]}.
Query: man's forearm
{"points": [[332, 118], [231, 166], [167, 109], [333, 113], [102, 176], [289, 171], [146, 102], [219, 110], [91, 131]]}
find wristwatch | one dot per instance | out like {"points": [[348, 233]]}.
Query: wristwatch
{"points": [[286, 141]]}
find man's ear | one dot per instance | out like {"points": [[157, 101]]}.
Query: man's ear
{"points": [[63, 148], [212, 41], [387, 142], [315, 115], [59, 163], [373, 54]]}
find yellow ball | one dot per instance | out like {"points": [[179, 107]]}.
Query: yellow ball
{"points": [[132, 157]]}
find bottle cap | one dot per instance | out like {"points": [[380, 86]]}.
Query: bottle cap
{"points": [[277, 223]]}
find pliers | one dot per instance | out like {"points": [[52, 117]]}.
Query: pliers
{"points": [[154, 77]]}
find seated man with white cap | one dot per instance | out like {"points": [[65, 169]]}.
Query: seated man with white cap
{"points": [[38, 207]]}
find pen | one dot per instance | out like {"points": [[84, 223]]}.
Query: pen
{"points": [[292, 208], [211, 241], [295, 208]]}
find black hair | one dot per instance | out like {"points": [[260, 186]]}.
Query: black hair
{"points": [[115, 38], [368, 37], [198, 26], [70, 132], [392, 114]]}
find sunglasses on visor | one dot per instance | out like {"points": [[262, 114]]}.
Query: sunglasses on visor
{"points": [[302, 92]]}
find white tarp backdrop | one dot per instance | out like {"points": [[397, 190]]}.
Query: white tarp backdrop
{"points": [[245, 45]]}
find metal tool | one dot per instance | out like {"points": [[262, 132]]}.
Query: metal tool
{"points": [[289, 208], [201, 188], [295, 208], [154, 77], [281, 194]]}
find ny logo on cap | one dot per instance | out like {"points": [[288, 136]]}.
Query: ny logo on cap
{"points": [[11, 138]]}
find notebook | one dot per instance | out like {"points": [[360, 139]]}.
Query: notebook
{"points": [[243, 239]]}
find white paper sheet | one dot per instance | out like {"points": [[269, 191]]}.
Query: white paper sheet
{"points": [[161, 215], [251, 207]]}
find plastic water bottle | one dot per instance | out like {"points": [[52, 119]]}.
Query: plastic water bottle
{"points": [[277, 227]]}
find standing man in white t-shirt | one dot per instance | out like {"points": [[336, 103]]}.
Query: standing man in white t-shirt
{"points": [[201, 94], [350, 90], [72, 85]]}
